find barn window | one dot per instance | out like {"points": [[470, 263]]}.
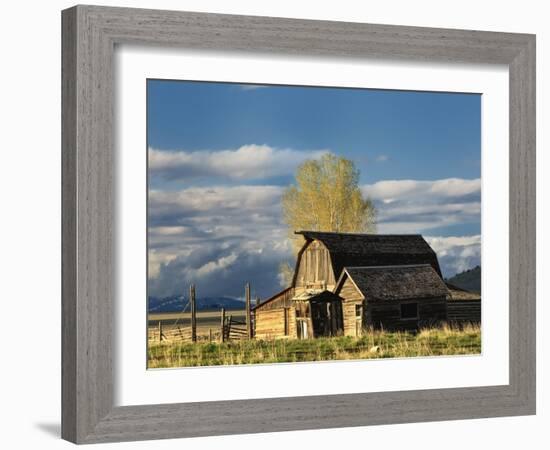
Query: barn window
{"points": [[358, 320], [409, 310]]}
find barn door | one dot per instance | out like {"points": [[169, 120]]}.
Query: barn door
{"points": [[303, 312], [326, 318], [302, 328], [320, 318], [336, 320]]}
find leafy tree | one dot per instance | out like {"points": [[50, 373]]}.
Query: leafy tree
{"points": [[326, 197]]}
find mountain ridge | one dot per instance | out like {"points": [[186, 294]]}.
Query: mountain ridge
{"points": [[177, 303], [469, 280]]}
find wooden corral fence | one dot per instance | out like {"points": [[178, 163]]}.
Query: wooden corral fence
{"points": [[234, 329], [170, 333], [176, 331], [230, 328]]}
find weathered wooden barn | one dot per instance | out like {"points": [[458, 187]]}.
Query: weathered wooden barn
{"points": [[345, 282], [324, 255], [304, 315], [392, 297], [463, 307]]}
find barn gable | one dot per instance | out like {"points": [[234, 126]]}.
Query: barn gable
{"points": [[314, 267], [347, 289], [389, 283], [365, 250], [391, 297]]}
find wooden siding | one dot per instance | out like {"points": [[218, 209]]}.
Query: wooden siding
{"points": [[352, 326], [314, 268], [352, 297], [387, 315], [464, 311], [270, 323], [281, 300]]}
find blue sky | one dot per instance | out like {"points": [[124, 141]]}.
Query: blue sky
{"points": [[220, 153]]}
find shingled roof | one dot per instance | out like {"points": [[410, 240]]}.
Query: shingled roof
{"points": [[458, 293], [354, 250], [396, 282]]}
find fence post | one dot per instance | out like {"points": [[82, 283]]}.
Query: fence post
{"points": [[229, 320], [248, 324], [160, 331], [222, 325], [193, 313], [254, 322], [210, 335]]}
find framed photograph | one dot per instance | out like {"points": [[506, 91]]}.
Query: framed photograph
{"points": [[268, 222]]}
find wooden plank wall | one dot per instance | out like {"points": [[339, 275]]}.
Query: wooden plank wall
{"points": [[315, 268], [352, 297], [464, 311], [350, 321], [387, 315], [270, 323], [283, 300]]}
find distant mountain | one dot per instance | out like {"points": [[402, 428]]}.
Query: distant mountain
{"points": [[176, 303], [469, 280]]}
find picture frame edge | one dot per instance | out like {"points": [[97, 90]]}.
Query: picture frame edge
{"points": [[89, 34]]}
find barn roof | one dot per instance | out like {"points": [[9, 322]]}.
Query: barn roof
{"points": [[317, 296], [458, 293], [396, 282], [289, 291], [353, 250]]}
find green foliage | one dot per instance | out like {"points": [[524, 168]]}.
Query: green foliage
{"points": [[374, 344], [327, 197]]}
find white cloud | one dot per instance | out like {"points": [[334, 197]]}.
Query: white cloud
{"points": [[182, 221], [223, 236], [406, 189], [214, 206], [456, 253], [412, 206], [214, 266], [156, 259], [246, 162], [220, 235], [252, 87], [443, 245], [223, 270]]}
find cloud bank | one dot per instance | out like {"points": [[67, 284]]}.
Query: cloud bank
{"points": [[216, 237], [456, 254], [250, 162], [412, 206], [221, 237]]}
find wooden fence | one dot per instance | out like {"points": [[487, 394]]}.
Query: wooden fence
{"points": [[230, 328], [169, 333], [234, 330]]}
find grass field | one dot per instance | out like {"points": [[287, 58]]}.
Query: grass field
{"points": [[374, 344]]}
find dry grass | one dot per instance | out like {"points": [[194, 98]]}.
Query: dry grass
{"points": [[374, 344]]}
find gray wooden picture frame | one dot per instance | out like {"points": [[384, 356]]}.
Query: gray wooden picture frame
{"points": [[90, 34]]}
